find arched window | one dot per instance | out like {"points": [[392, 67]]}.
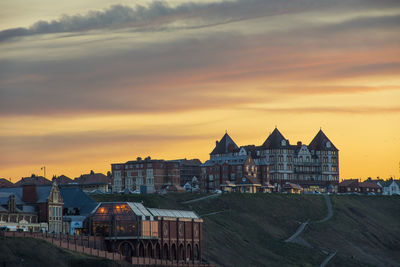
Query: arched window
{"points": [[196, 252], [166, 252], [181, 252], [158, 251], [173, 251], [141, 249], [189, 252], [150, 253]]}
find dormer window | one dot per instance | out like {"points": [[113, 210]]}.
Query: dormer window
{"points": [[283, 142], [328, 144], [55, 197]]}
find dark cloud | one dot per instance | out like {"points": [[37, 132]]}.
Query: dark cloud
{"points": [[160, 13], [188, 72]]}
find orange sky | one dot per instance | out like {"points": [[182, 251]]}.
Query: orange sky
{"points": [[79, 92]]}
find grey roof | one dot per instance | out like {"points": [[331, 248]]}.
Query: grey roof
{"points": [[3, 210], [43, 193], [261, 161], [274, 140], [231, 160], [17, 191], [173, 213], [4, 196], [76, 198], [224, 146], [139, 209], [319, 142]]}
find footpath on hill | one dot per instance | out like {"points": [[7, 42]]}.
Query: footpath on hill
{"points": [[296, 237]]}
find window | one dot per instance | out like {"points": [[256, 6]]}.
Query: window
{"points": [[149, 172]]}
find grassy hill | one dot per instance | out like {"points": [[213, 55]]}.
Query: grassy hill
{"points": [[32, 252], [250, 229]]}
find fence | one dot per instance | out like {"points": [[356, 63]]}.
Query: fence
{"points": [[95, 246], [90, 245]]}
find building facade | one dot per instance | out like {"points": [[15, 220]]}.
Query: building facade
{"points": [[137, 231], [151, 173], [315, 167]]}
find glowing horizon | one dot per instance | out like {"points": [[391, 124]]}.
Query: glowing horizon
{"points": [[105, 84]]}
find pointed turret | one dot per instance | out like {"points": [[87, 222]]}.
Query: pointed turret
{"points": [[321, 142], [275, 140], [224, 146]]}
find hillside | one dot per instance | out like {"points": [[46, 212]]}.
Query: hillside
{"points": [[250, 229], [32, 252]]}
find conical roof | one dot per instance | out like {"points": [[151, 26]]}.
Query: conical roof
{"points": [[224, 146], [274, 140], [321, 142]]}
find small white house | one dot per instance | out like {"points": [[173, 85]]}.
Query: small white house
{"points": [[391, 187]]}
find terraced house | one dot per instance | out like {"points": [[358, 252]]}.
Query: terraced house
{"points": [[315, 166]]}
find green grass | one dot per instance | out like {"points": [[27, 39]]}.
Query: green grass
{"points": [[363, 229], [18, 251], [250, 229]]}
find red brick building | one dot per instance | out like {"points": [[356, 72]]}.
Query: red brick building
{"points": [[230, 165], [151, 173], [315, 167], [136, 231], [354, 186]]}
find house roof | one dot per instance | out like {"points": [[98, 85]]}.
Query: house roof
{"points": [[321, 142], [369, 185], [5, 183], [4, 197], [93, 178], [349, 182], [230, 160], [224, 146], [173, 213], [17, 191], [33, 180], [76, 198], [274, 140], [187, 162], [62, 179]]}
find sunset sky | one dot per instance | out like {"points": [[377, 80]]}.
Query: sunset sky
{"points": [[84, 84]]}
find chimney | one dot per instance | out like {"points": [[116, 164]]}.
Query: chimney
{"points": [[29, 194], [91, 172], [138, 158], [216, 142], [299, 143], [12, 206]]}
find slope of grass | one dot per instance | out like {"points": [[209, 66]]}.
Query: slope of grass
{"points": [[246, 229], [249, 229], [363, 228], [18, 251]]}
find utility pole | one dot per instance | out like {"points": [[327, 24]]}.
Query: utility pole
{"points": [[44, 170]]}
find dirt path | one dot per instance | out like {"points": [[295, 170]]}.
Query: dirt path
{"points": [[201, 198], [298, 232], [330, 210], [327, 259], [296, 238]]}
